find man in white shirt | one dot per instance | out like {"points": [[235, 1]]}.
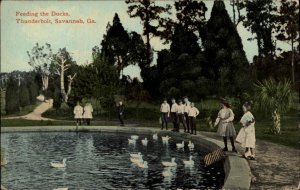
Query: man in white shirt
{"points": [[193, 112], [187, 106], [174, 116], [165, 114], [180, 114]]}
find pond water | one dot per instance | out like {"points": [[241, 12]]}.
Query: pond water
{"points": [[100, 161]]}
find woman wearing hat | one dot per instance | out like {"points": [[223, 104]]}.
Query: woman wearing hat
{"points": [[225, 124], [246, 135]]}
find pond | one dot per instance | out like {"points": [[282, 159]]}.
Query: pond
{"points": [[100, 161]]}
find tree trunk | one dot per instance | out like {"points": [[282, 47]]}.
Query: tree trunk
{"points": [[70, 80], [293, 58], [45, 80], [276, 122], [62, 83]]}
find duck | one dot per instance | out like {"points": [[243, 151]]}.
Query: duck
{"points": [[167, 172], [136, 160], [138, 155], [145, 142], [189, 163], [61, 188], [170, 164], [135, 137], [191, 145], [165, 139], [180, 145], [59, 164], [3, 162], [155, 137], [143, 164], [131, 141]]}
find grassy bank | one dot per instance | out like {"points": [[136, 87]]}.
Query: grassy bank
{"points": [[147, 115]]}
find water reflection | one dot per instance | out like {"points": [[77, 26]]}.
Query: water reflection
{"points": [[100, 160]]}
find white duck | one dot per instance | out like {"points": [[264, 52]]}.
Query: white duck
{"points": [[170, 164], [135, 137], [143, 164], [191, 145], [145, 142], [138, 155], [189, 163], [167, 172], [131, 141], [165, 139], [61, 188], [59, 164], [180, 145], [155, 137], [136, 160]]}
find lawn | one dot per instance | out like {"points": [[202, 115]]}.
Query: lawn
{"points": [[148, 115]]}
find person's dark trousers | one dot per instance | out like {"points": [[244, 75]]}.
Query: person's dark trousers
{"points": [[187, 121], [164, 120], [88, 121], [193, 125], [121, 119], [181, 120], [174, 120]]}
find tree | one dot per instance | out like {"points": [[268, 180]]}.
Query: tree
{"points": [[150, 15], [115, 45], [62, 62], [12, 103], [40, 59], [138, 50], [288, 27], [237, 6], [181, 66], [24, 95], [137, 93], [98, 80], [261, 19], [33, 91], [226, 65], [191, 14], [274, 97]]}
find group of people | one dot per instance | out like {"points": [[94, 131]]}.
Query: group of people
{"points": [[86, 113], [185, 113], [83, 113], [246, 135]]}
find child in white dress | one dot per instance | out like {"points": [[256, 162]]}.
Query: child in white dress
{"points": [[246, 135]]}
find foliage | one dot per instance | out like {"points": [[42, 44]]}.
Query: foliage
{"points": [[12, 103], [115, 44], [98, 80], [150, 15], [227, 66], [261, 19], [24, 95], [191, 14], [273, 95], [33, 91], [40, 59], [288, 29], [62, 63]]}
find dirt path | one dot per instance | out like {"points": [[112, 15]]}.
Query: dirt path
{"points": [[276, 166], [37, 112]]}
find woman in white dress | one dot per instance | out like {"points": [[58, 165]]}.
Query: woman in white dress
{"points": [[88, 110], [78, 111], [225, 124], [246, 135]]}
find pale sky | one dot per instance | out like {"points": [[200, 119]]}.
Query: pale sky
{"points": [[79, 39]]}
